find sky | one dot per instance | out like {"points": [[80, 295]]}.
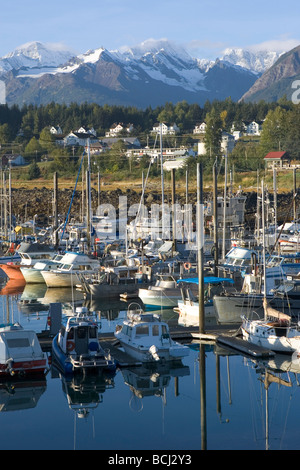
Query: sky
{"points": [[203, 27]]}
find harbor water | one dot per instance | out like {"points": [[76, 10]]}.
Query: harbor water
{"points": [[215, 400]]}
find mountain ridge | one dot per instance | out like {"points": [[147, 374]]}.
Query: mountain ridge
{"points": [[149, 74]]}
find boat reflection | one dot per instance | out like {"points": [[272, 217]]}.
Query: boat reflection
{"points": [[13, 287], [16, 395], [150, 381], [84, 392]]}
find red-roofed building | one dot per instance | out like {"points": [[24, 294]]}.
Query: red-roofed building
{"points": [[276, 158]]}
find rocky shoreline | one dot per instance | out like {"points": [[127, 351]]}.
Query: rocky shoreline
{"points": [[27, 203]]}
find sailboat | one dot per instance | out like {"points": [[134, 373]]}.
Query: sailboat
{"points": [[275, 331]]}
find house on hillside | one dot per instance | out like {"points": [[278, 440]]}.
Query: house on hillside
{"points": [[78, 138], [83, 130], [56, 130], [253, 128], [117, 128], [276, 159], [200, 128], [165, 128], [12, 159]]}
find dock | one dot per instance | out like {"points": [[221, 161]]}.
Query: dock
{"points": [[227, 336]]}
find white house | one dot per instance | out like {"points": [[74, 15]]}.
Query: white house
{"points": [[227, 144], [200, 128], [56, 130], [78, 138], [253, 128], [165, 128], [91, 131], [117, 128]]}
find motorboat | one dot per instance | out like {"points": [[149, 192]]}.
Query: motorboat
{"points": [[70, 264], [188, 304], [20, 352], [164, 294], [76, 347], [146, 338], [33, 275], [275, 332], [30, 254]]}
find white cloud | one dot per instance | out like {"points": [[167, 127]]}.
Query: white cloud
{"points": [[277, 45]]}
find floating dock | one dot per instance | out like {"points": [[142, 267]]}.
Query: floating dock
{"points": [[225, 335]]}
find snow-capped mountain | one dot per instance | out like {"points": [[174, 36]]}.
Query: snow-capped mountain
{"points": [[148, 74], [257, 62], [34, 54]]}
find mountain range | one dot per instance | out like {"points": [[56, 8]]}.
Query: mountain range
{"points": [[150, 74]]}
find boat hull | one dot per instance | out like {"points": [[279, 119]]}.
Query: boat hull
{"points": [[70, 367], [32, 276], [168, 354], [24, 368], [262, 334], [12, 271], [58, 279], [158, 298]]}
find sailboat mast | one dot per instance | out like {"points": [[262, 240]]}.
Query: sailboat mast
{"points": [[264, 242]]}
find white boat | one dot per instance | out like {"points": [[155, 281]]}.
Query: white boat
{"points": [[164, 294], [146, 338], [274, 332], [20, 352], [30, 254], [76, 347], [33, 275], [70, 264], [188, 305]]}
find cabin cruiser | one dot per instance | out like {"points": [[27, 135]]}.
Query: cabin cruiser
{"points": [[20, 352], [30, 254], [146, 338], [33, 275], [76, 347], [70, 264]]}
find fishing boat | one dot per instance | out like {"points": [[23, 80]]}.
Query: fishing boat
{"points": [[76, 347], [20, 352], [70, 264], [30, 254], [146, 338]]}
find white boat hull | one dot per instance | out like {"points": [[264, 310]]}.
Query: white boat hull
{"points": [[156, 298], [59, 279], [171, 353], [264, 334], [32, 276], [189, 314]]}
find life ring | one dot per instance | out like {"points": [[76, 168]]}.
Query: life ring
{"points": [[187, 266], [70, 346]]}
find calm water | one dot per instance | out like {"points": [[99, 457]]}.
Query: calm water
{"points": [[216, 400]]}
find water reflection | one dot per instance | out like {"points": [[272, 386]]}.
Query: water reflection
{"points": [[21, 394], [220, 398]]}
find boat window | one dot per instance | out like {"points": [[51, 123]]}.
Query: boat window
{"points": [[93, 332], [66, 267], [18, 343], [71, 334], [164, 329], [142, 330], [84, 267], [81, 332], [155, 330]]}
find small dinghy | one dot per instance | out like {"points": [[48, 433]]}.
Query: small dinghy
{"points": [[146, 338], [76, 347], [20, 352]]}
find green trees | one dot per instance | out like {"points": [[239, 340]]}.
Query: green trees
{"points": [[213, 133]]}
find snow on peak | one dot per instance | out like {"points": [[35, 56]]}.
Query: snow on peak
{"points": [[257, 62], [35, 54]]}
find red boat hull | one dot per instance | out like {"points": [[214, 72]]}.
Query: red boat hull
{"points": [[13, 271]]}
